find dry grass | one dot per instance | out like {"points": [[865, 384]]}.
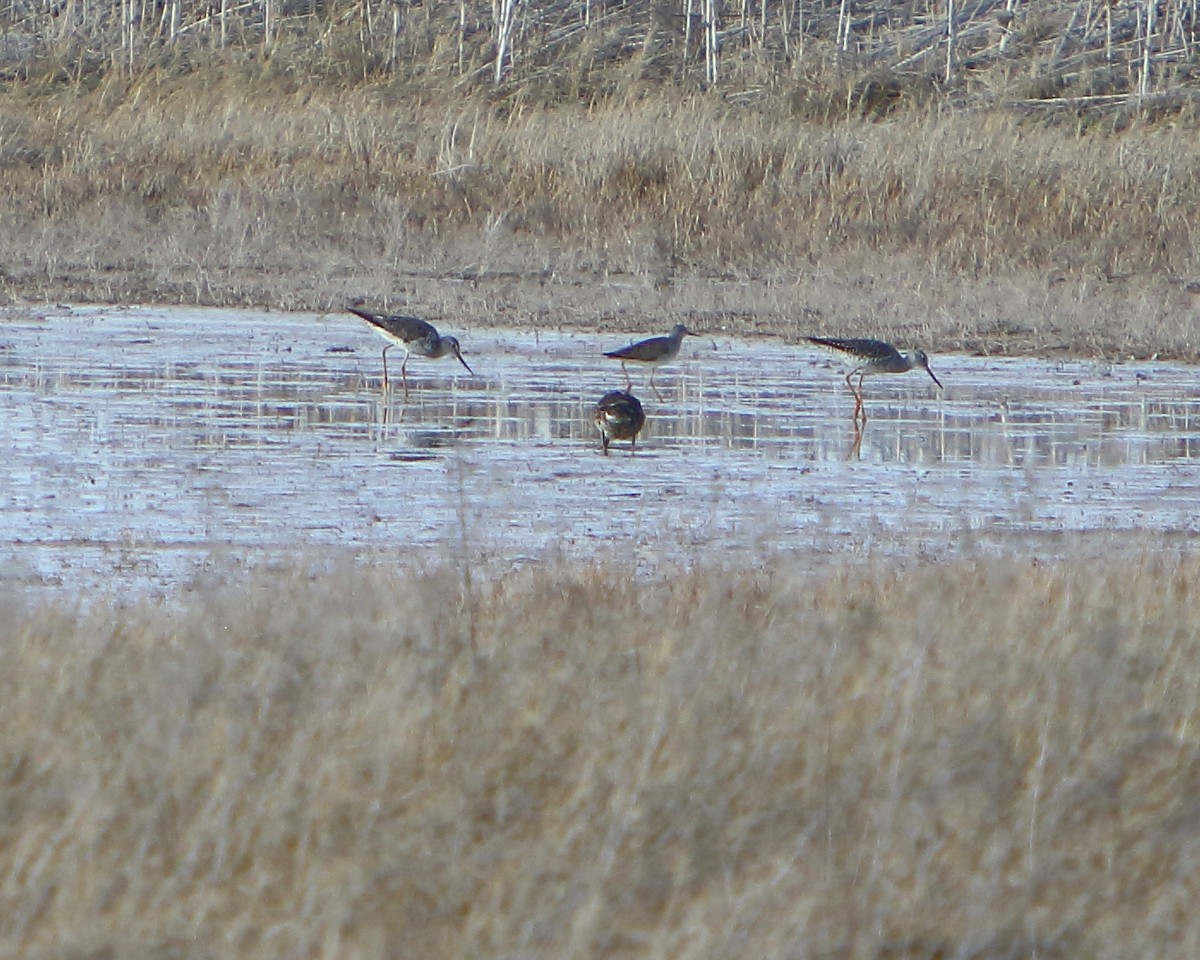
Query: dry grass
{"points": [[877, 763], [344, 165], [306, 198]]}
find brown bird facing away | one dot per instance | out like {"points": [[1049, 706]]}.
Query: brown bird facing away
{"points": [[415, 336], [619, 416], [868, 357], [654, 351]]}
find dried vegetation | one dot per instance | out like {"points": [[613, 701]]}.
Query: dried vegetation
{"points": [[294, 154], [875, 763]]}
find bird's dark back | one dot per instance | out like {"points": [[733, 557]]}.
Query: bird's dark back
{"points": [[864, 348], [621, 407], [651, 349], [398, 325]]}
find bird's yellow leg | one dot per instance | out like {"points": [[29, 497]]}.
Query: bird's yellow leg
{"points": [[652, 386], [857, 393]]}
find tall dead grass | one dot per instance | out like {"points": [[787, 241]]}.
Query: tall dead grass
{"points": [[997, 760], [343, 159], [227, 192]]}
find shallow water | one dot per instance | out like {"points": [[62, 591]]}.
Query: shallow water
{"points": [[148, 448]]}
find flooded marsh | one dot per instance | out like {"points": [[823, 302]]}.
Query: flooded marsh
{"points": [[149, 447]]}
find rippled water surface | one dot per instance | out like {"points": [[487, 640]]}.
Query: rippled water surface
{"points": [[146, 446]]}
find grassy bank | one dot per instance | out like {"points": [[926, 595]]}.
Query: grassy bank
{"points": [[874, 763], [1034, 201]]}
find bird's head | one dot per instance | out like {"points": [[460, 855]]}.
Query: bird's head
{"points": [[922, 361], [452, 344]]}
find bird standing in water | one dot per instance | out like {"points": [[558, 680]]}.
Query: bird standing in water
{"points": [[415, 336], [619, 416], [654, 351], [869, 357]]}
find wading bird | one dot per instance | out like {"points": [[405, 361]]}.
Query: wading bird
{"points": [[619, 416], [868, 357], [654, 351], [415, 336]]}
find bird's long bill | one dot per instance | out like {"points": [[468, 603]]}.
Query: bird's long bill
{"points": [[935, 379], [464, 363]]}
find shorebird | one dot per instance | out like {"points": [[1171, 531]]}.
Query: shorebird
{"points": [[415, 336], [654, 351], [869, 357], [619, 416]]}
